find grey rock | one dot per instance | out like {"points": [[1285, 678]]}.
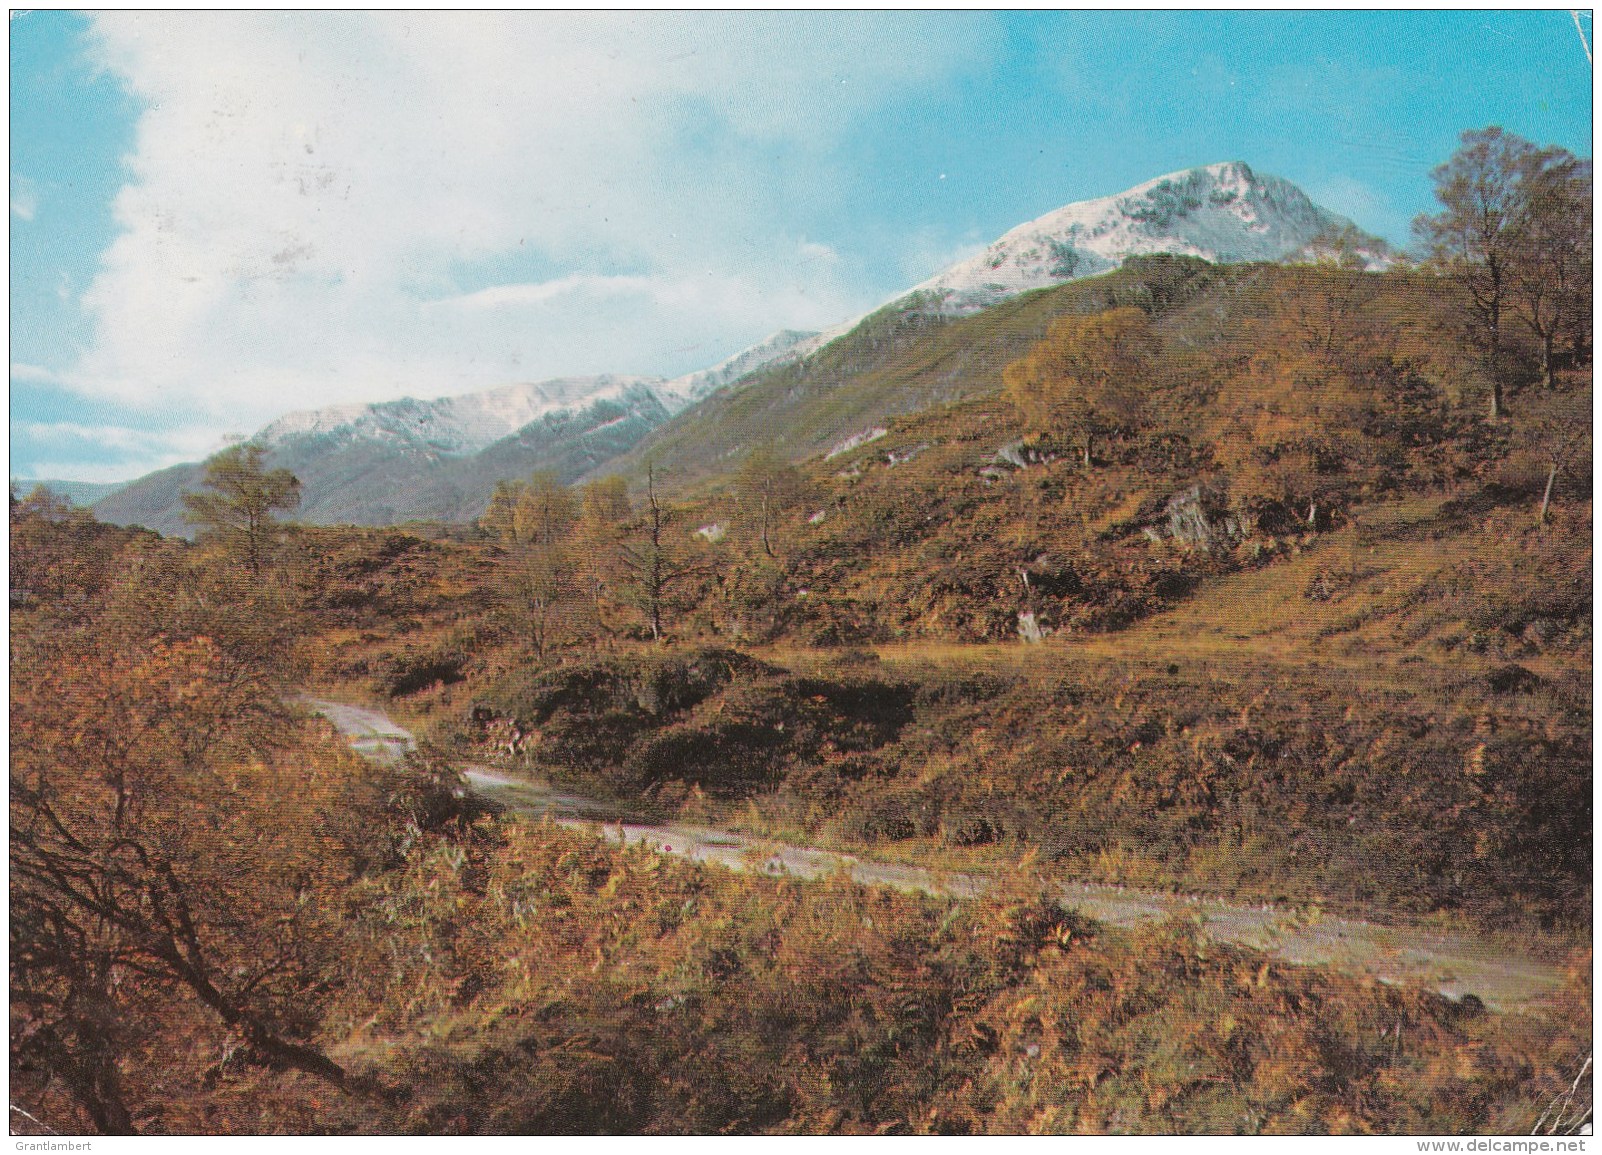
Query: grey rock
{"points": [[1030, 629]]}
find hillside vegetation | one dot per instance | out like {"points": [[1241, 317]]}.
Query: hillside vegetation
{"points": [[1269, 583]]}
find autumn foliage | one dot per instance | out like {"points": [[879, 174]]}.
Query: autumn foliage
{"points": [[1090, 378], [1214, 580]]}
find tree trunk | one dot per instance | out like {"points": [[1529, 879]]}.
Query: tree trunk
{"points": [[92, 1079], [283, 1053], [658, 581], [597, 592], [1546, 359], [1087, 453], [1495, 360], [184, 955], [1546, 498], [110, 1117]]}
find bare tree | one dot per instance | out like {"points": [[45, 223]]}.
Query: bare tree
{"points": [[1552, 250], [1514, 231], [652, 566], [766, 489]]}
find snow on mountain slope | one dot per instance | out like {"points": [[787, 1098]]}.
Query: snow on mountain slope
{"points": [[451, 426], [467, 423], [778, 349], [392, 460], [1220, 212]]}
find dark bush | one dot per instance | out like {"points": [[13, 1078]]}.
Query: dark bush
{"points": [[726, 759], [408, 672], [653, 684], [1512, 679]]}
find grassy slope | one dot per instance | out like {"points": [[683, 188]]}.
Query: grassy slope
{"points": [[894, 363]]}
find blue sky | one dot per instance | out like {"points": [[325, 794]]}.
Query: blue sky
{"points": [[216, 218]]}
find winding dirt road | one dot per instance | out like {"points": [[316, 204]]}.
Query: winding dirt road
{"points": [[1453, 964]]}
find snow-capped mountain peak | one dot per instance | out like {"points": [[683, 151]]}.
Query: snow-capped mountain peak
{"points": [[467, 423], [1220, 212], [390, 461], [1223, 212]]}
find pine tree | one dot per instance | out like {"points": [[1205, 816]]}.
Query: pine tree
{"points": [[242, 500]]}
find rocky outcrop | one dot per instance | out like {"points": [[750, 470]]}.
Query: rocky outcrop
{"points": [[1013, 456], [1199, 517]]}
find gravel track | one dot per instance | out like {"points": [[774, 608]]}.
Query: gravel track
{"points": [[1452, 964]]}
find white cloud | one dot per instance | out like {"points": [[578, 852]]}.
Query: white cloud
{"points": [[541, 292], [32, 374], [109, 452], [97, 469], [315, 196], [24, 198], [72, 432]]}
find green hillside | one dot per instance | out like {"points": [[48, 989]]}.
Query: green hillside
{"points": [[83, 493], [898, 361]]}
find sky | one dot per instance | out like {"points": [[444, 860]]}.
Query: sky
{"points": [[217, 218]]}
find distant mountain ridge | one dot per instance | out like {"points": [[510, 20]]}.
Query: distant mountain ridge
{"points": [[391, 461], [450, 426], [82, 493], [782, 348], [405, 460]]}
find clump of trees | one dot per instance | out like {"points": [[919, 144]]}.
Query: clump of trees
{"points": [[573, 562], [1326, 406], [534, 522], [1515, 234], [61, 557], [1089, 379], [595, 563]]}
